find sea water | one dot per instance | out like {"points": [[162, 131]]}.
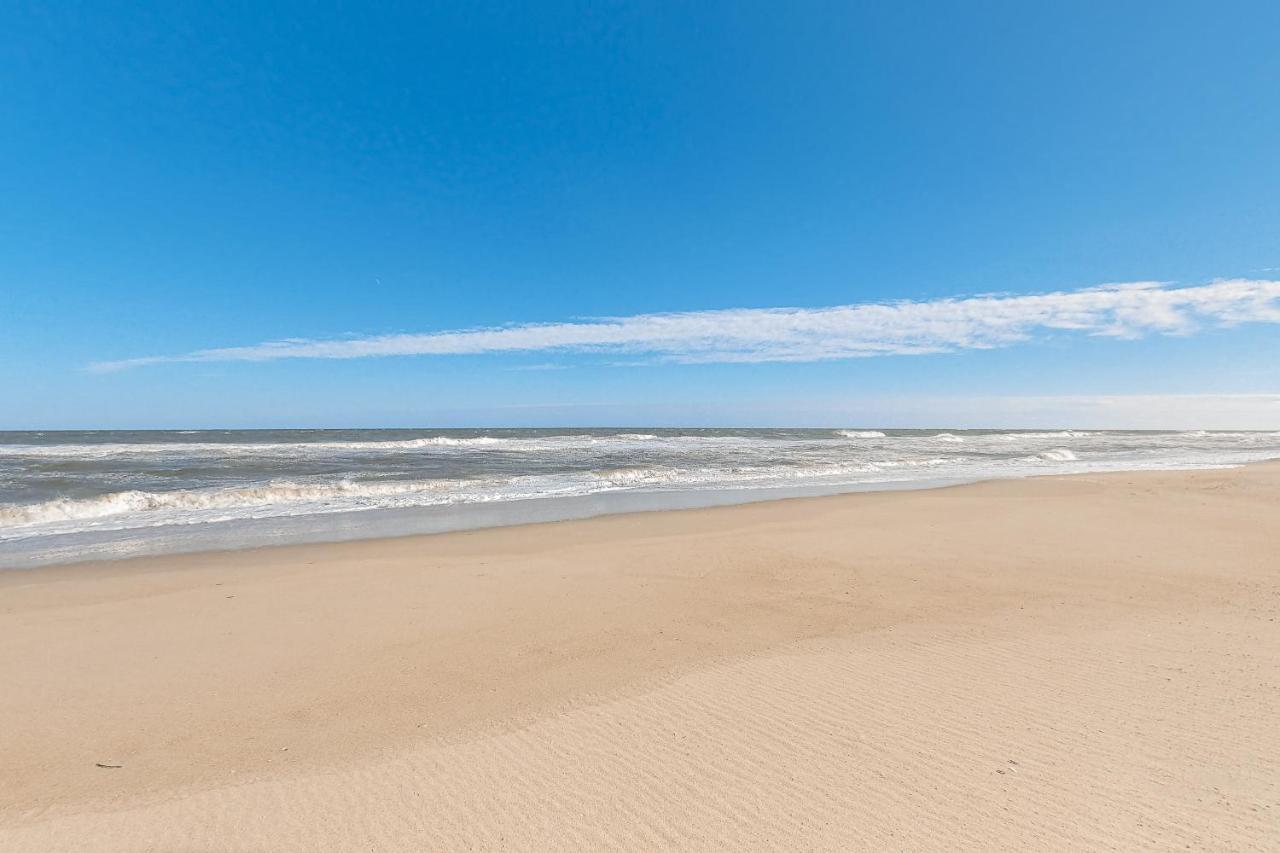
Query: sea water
{"points": [[68, 496]]}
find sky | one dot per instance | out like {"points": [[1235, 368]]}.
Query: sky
{"points": [[806, 214]]}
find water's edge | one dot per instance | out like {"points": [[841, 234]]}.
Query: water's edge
{"points": [[68, 497], [366, 525], [422, 521]]}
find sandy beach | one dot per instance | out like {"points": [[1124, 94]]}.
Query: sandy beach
{"points": [[1084, 662]]}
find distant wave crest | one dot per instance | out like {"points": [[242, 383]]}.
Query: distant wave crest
{"points": [[1064, 433], [276, 448], [244, 448]]}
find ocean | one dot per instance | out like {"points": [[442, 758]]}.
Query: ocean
{"points": [[68, 496]]}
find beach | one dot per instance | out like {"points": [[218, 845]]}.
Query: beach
{"points": [[76, 496], [1088, 661]]}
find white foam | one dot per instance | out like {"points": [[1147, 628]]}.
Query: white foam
{"points": [[137, 508], [95, 451], [135, 501], [216, 449], [477, 469]]}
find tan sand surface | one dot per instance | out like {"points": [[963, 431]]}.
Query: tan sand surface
{"points": [[1088, 662]]}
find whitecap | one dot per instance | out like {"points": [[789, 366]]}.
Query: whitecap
{"points": [[136, 501]]}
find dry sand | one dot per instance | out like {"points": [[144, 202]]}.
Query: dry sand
{"points": [[1062, 663]]}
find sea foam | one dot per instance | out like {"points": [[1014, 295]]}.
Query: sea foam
{"points": [[60, 485]]}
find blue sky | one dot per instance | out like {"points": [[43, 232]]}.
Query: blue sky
{"points": [[213, 178]]}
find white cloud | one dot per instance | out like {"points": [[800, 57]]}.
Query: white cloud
{"points": [[812, 334], [539, 367]]}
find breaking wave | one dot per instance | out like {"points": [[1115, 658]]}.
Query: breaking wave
{"points": [[136, 501], [53, 486], [144, 508], [278, 448], [240, 448], [1065, 433]]}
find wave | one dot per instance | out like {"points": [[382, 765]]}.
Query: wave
{"points": [[1222, 433], [638, 476], [283, 497], [575, 465], [176, 447], [572, 442], [136, 501], [214, 448]]}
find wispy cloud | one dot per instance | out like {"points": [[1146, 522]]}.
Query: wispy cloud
{"points": [[1129, 310], [539, 367]]}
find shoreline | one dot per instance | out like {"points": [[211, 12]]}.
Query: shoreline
{"points": [[376, 525], [383, 524], [294, 673]]}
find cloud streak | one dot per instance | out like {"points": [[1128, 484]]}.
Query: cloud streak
{"points": [[1131, 310]]}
